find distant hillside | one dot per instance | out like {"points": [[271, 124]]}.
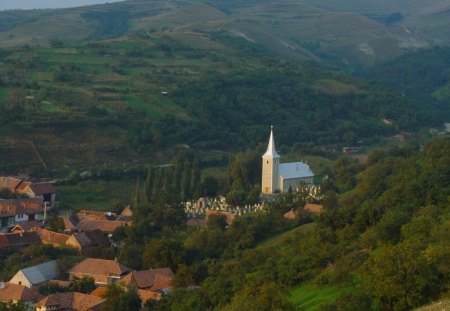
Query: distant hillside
{"points": [[340, 33], [422, 76]]}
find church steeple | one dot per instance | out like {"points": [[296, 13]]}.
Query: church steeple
{"points": [[271, 151], [270, 171]]}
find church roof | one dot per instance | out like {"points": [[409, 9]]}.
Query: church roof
{"points": [[295, 170], [271, 151]]}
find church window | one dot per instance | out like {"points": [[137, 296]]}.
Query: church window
{"points": [[267, 161]]}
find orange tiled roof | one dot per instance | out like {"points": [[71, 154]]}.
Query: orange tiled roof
{"points": [[71, 301], [51, 237], [10, 183], [290, 215], [96, 215], [42, 188], [94, 266], [99, 292], [146, 295], [102, 225], [91, 238], [313, 208], [27, 226], [21, 206], [152, 279], [17, 292], [19, 239]]}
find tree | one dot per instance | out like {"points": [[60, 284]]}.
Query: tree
{"points": [[186, 181], [165, 252], [149, 182], [56, 223], [260, 297], [120, 298], [195, 182], [82, 285], [399, 277]]}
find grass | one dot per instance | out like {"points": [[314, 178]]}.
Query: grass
{"points": [[278, 239], [308, 297], [95, 195], [140, 104], [50, 107]]}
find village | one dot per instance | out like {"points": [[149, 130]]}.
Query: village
{"points": [[32, 217]]}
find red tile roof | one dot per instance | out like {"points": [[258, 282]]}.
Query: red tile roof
{"points": [[21, 206], [99, 292], [19, 239], [153, 279], [102, 225], [313, 208], [290, 215], [71, 301], [51, 237], [42, 188], [91, 238], [147, 295], [10, 183], [27, 226], [94, 266], [9, 291]]}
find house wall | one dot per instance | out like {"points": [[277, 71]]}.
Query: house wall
{"points": [[72, 242], [98, 279], [19, 278], [21, 218]]}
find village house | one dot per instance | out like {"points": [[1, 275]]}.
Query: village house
{"points": [[36, 275], [70, 301], [27, 226], [85, 240], [10, 240], [19, 293], [155, 280], [280, 177], [17, 211], [104, 272], [51, 237], [42, 191], [86, 220]]}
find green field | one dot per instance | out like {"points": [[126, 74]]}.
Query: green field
{"points": [[308, 297], [95, 195], [291, 234]]}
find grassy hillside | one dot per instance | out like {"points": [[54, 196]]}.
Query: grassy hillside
{"points": [[339, 33]]}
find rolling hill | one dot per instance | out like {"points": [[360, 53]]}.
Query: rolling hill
{"points": [[339, 33]]}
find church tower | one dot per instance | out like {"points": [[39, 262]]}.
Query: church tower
{"points": [[270, 172]]}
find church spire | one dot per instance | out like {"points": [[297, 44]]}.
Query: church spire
{"points": [[271, 152]]}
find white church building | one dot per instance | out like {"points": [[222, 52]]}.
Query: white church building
{"points": [[279, 177]]}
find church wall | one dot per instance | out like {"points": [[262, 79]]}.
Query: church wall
{"points": [[269, 175]]}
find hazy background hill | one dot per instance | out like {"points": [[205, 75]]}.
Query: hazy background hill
{"points": [[335, 32]]}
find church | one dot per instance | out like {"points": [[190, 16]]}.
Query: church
{"points": [[279, 177]]}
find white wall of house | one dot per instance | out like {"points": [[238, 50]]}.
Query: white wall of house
{"points": [[20, 278], [21, 218]]}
